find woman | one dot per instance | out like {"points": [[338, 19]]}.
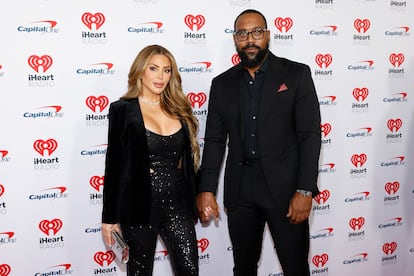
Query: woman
{"points": [[151, 164]]}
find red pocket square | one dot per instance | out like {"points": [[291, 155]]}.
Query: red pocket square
{"points": [[282, 88]]}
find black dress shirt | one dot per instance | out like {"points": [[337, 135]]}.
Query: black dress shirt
{"points": [[252, 89]]}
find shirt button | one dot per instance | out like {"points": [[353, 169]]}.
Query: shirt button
{"points": [[254, 117], [252, 135], [253, 152], [250, 82]]}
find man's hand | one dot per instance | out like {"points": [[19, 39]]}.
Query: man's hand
{"points": [[107, 230], [299, 208], [207, 207]]}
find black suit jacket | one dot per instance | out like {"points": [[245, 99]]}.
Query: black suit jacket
{"points": [[127, 187], [288, 132]]}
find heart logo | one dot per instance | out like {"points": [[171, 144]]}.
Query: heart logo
{"points": [[96, 182], [42, 146], [197, 98], [101, 257], [36, 62], [100, 102], [89, 19], [46, 225], [192, 21]]}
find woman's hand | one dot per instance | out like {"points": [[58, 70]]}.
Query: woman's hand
{"points": [[107, 230], [207, 207]]}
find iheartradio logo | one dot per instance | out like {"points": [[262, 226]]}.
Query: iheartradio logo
{"points": [[322, 197], [89, 19], [323, 60], [192, 21], [5, 269], [235, 59], [356, 223], [320, 260], [362, 25], [96, 182], [102, 257], [396, 59], [46, 225], [283, 23], [394, 125], [390, 187], [326, 129], [389, 248], [1, 190], [358, 159], [360, 94], [197, 98], [203, 244], [36, 62], [49, 146], [97, 104]]}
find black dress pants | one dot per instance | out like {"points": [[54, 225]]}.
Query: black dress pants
{"points": [[246, 226]]}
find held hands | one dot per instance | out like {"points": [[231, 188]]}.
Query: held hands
{"points": [[207, 207], [107, 229], [299, 208]]}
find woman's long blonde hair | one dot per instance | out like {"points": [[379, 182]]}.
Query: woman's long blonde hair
{"points": [[173, 100]]}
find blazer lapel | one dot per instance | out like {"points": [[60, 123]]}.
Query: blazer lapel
{"points": [[275, 74]]}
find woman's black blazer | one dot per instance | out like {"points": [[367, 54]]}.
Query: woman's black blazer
{"points": [[127, 187]]}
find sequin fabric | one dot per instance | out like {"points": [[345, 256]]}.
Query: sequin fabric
{"points": [[171, 213]]}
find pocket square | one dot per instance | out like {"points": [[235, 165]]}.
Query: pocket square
{"points": [[282, 88]]}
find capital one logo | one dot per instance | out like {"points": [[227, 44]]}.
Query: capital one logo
{"points": [[283, 23], [362, 25], [37, 62], [53, 225], [192, 21], [235, 59], [326, 129], [102, 257], [320, 260], [389, 248], [360, 94], [358, 159], [89, 19], [394, 125], [5, 269], [49, 146], [1, 190], [322, 197], [323, 60], [95, 103], [197, 98], [3, 153], [392, 187], [356, 223], [396, 59], [203, 244], [96, 182]]}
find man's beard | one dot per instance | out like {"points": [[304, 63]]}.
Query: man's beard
{"points": [[254, 62]]}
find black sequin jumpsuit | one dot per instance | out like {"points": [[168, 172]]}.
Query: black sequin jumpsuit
{"points": [[171, 212]]}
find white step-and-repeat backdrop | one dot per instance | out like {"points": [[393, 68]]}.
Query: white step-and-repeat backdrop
{"points": [[63, 62]]}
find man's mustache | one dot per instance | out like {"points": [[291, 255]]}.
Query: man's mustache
{"points": [[251, 46]]}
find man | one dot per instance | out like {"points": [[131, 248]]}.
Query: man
{"points": [[267, 112]]}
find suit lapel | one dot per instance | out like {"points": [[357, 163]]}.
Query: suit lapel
{"points": [[274, 76]]}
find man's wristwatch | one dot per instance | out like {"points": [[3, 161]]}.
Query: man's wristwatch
{"points": [[304, 192]]}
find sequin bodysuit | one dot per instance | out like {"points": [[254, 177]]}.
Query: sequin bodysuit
{"points": [[171, 212]]}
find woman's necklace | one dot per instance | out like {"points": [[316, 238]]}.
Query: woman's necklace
{"points": [[149, 102]]}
